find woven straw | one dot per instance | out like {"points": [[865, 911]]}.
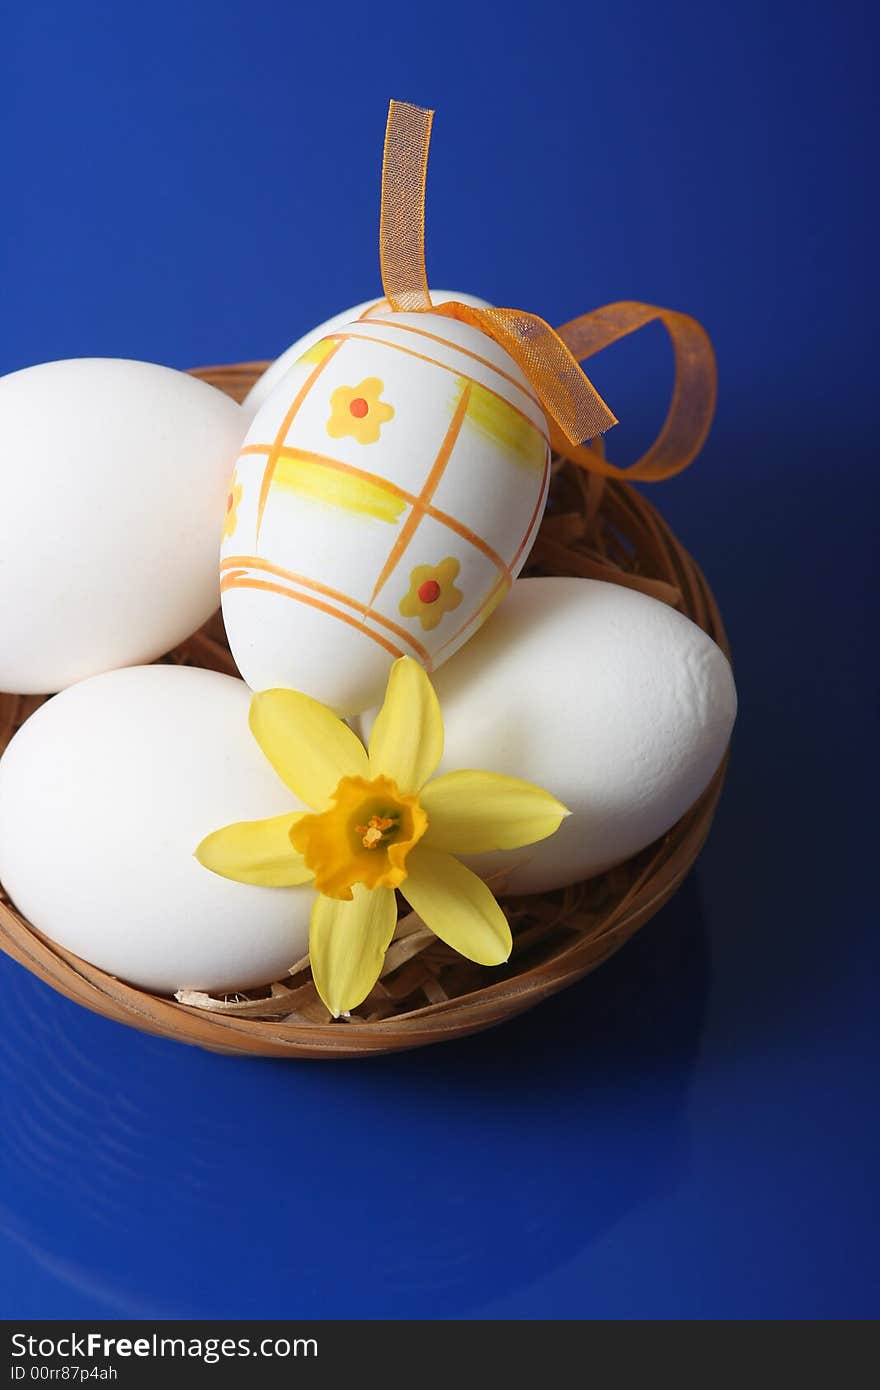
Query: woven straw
{"points": [[596, 528]]}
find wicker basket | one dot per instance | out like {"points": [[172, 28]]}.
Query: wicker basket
{"points": [[594, 528]]}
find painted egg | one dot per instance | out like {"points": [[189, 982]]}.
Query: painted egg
{"points": [[106, 791], [387, 495], [265, 384], [613, 701], [113, 479]]}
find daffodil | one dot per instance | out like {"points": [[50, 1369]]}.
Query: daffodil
{"points": [[380, 822]]}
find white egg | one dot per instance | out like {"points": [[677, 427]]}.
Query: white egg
{"points": [[265, 384], [113, 482], [106, 791], [613, 701], [387, 496]]}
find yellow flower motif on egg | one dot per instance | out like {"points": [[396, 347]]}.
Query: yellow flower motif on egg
{"points": [[432, 593], [357, 411], [380, 821], [233, 498]]}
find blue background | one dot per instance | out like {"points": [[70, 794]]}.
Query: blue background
{"points": [[692, 1132]]}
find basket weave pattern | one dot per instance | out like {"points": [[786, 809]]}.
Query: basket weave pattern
{"points": [[594, 528]]}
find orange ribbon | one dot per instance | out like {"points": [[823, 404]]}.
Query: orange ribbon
{"points": [[567, 395], [690, 413], [550, 359]]}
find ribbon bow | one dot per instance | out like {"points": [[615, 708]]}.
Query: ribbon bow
{"points": [[550, 359]]}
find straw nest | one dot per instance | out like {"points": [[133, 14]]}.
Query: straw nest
{"points": [[595, 528]]}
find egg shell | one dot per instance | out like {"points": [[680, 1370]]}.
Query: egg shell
{"points": [[265, 384], [387, 495], [106, 791], [113, 479], [614, 702]]}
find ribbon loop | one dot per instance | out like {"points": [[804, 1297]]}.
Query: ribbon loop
{"points": [[690, 413]]}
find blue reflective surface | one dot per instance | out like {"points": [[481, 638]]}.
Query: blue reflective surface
{"points": [[692, 1131]]}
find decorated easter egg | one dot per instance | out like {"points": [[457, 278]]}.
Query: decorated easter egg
{"points": [[616, 703], [387, 495], [113, 479], [104, 794], [265, 384]]}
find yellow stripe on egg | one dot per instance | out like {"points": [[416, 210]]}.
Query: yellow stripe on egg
{"points": [[508, 429], [337, 488]]}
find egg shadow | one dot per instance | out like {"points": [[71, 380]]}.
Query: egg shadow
{"points": [[145, 1179]]}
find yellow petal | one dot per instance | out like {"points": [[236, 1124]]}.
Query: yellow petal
{"points": [[256, 851], [307, 744], [406, 742], [347, 945], [473, 812], [457, 906]]}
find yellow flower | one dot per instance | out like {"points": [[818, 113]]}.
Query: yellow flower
{"points": [[380, 821], [432, 593], [233, 498], [358, 411]]}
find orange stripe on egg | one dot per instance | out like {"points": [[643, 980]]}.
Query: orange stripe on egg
{"points": [[539, 507], [388, 321], [240, 581], [505, 581], [435, 362], [444, 518], [275, 451], [438, 468], [240, 564]]}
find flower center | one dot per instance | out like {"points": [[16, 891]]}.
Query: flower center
{"points": [[229, 501], [358, 407], [364, 836], [375, 831], [429, 592]]}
